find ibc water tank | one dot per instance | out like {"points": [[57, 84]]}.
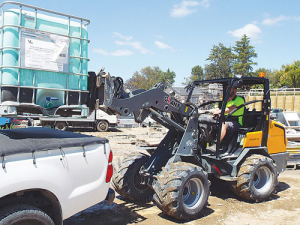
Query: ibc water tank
{"points": [[44, 57]]}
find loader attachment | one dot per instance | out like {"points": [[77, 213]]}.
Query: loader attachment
{"points": [[112, 98], [106, 88]]}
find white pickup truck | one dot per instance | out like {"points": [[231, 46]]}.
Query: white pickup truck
{"points": [[49, 175]]}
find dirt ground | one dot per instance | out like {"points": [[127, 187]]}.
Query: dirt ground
{"points": [[223, 206]]}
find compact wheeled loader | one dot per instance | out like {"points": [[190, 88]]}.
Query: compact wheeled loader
{"points": [[176, 172]]}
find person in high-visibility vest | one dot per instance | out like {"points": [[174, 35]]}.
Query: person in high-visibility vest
{"points": [[231, 127]]}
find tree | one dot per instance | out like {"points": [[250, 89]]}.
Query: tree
{"points": [[168, 78], [148, 77], [221, 62], [244, 53], [290, 75], [197, 73], [134, 82]]}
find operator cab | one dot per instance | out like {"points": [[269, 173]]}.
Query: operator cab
{"points": [[252, 118]]}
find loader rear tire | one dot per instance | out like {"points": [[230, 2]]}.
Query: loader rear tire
{"points": [[257, 178], [182, 190], [127, 180]]}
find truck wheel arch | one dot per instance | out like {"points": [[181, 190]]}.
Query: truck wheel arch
{"points": [[40, 198]]}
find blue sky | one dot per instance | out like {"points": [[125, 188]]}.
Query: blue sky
{"points": [[126, 36]]}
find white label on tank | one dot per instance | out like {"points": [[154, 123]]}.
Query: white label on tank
{"points": [[41, 50]]}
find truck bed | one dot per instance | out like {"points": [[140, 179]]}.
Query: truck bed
{"points": [[29, 140]]}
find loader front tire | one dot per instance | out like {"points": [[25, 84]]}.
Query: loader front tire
{"points": [[257, 178], [127, 180], [181, 190]]}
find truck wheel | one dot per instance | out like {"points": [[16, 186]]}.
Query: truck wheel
{"points": [[60, 126], [127, 180], [181, 190], [257, 178], [102, 126], [22, 214]]}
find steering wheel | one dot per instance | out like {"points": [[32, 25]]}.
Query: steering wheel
{"points": [[205, 118]]}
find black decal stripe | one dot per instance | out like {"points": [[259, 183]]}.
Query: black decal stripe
{"points": [[281, 127], [276, 125]]}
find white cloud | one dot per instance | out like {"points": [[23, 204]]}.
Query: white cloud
{"points": [[184, 8], [135, 44], [101, 51], [124, 52], [251, 30], [127, 38], [114, 53], [205, 3], [187, 7], [162, 45], [276, 20]]}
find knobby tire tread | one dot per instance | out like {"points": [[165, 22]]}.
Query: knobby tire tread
{"points": [[123, 175], [169, 185], [243, 186]]}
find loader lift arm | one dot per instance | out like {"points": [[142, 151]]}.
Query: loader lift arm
{"points": [[180, 118]]}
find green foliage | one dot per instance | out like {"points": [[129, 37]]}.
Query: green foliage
{"points": [[197, 73], [244, 53], [226, 61], [168, 78], [148, 77], [289, 75], [221, 62], [271, 75]]}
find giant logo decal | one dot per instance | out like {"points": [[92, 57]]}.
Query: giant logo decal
{"points": [[172, 102]]}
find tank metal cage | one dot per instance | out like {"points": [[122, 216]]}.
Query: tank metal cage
{"points": [[71, 19]]}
